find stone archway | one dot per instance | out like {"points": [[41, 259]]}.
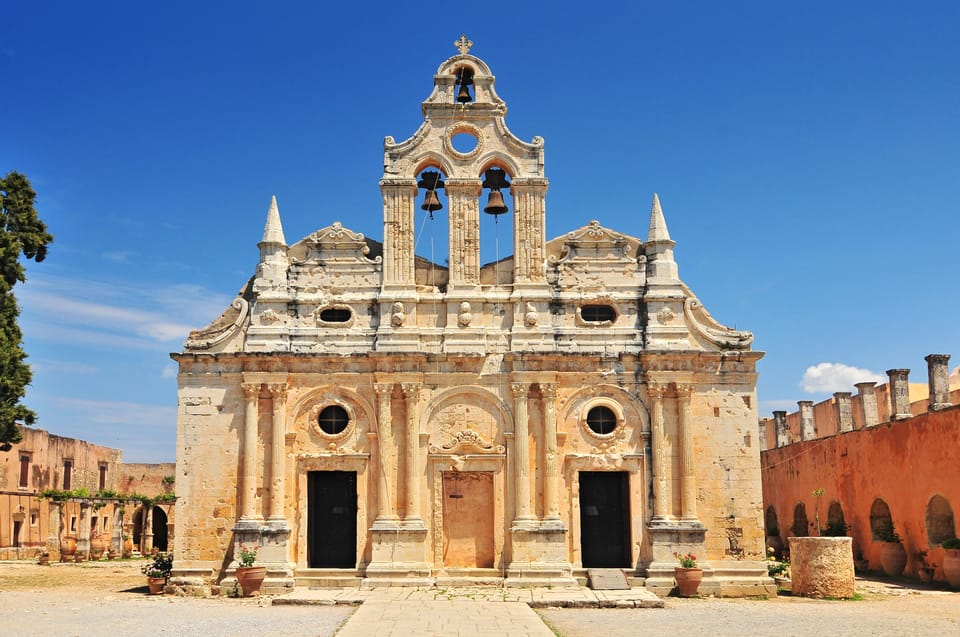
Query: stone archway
{"points": [[159, 525], [770, 523], [836, 523]]}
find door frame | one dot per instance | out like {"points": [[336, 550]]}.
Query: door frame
{"points": [[354, 462]]}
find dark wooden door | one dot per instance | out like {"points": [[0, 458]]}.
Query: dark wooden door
{"points": [[332, 519], [604, 519]]}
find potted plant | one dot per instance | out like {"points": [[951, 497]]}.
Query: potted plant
{"points": [[924, 570], [127, 547], [951, 561], [688, 574], [774, 541], [43, 559], [249, 577], [893, 558], [779, 570], [158, 572]]}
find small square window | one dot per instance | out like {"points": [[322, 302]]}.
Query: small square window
{"points": [[73, 524]]}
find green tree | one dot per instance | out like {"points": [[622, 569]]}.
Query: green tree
{"points": [[22, 233]]}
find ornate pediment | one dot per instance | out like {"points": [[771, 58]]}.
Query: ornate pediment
{"points": [[595, 243], [333, 244], [466, 441]]}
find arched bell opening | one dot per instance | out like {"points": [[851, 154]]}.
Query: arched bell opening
{"points": [[431, 240], [464, 85], [497, 212]]}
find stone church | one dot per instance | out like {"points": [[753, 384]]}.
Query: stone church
{"points": [[366, 416]]}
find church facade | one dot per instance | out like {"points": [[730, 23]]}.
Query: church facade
{"points": [[364, 415]]}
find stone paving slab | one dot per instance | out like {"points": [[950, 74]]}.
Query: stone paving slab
{"points": [[449, 618], [532, 597]]}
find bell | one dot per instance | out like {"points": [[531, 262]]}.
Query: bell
{"points": [[495, 204], [431, 202], [463, 95]]}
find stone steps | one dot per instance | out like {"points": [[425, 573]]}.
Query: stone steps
{"points": [[328, 578]]}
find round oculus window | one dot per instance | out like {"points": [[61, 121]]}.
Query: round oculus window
{"points": [[333, 419], [601, 420]]}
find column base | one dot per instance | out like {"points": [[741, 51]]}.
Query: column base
{"points": [[539, 557], [397, 557]]}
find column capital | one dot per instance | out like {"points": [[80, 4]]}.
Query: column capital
{"points": [[934, 359], [549, 390], [805, 403], [519, 390], [397, 183], [250, 390], [655, 390], [278, 390], [410, 390], [464, 186], [383, 388], [684, 390], [903, 373]]}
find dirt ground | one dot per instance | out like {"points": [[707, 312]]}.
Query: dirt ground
{"points": [[111, 598]]}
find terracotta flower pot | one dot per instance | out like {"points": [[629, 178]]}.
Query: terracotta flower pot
{"points": [[97, 546], [688, 580], [250, 579], [893, 558], [156, 584], [951, 567]]}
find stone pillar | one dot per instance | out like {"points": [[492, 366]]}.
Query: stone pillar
{"points": [[938, 374], [399, 198], [521, 455], [899, 394], [411, 518], [867, 392], [83, 532], [843, 409], [688, 478], [551, 481], [248, 488], [53, 534], [808, 430], [464, 195], [660, 501], [529, 229], [147, 539], [780, 427], [762, 425], [277, 518], [386, 514]]}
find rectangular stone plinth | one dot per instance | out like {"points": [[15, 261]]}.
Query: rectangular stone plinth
{"points": [[539, 558], [398, 558]]}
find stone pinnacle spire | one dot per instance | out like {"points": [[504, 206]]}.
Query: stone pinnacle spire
{"points": [[273, 230], [657, 231]]}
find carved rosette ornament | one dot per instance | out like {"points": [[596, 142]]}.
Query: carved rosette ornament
{"points": [[398, 316], [665, 316], [465, 317], [531, 317], [466, 441]]}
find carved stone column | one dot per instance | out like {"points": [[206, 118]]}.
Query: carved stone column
{"points": [[899, 394], [83, 529], [248, 488], [386, 514], [411, 518], [780, 427], [762, 425], [521, 454], [551, 482], [938, 374], [808, 430], [399, 197], [529, 229], [843, 406], [688, 478], [464, 195], [146, 541], [867, 391], [661, 504], [55, 511], [277, 518]]}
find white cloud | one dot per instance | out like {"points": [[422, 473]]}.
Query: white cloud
{"points": [[834, 377], [116, 313], [70, 367], [169, 371]]}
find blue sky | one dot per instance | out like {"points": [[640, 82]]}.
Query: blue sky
{"points": [[806, 156]]}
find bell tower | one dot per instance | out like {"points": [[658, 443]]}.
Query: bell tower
{"points": [[485, 156]]}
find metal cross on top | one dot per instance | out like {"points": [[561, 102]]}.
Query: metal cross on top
{"points": [[463, 44]]}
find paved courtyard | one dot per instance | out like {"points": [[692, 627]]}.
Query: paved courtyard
{"points": [[110, 599]]}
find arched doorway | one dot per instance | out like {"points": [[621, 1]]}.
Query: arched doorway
{"points": [[800, 526], [138, 528], [159, 528], [881, 522], [836, 523], [939, 520]]}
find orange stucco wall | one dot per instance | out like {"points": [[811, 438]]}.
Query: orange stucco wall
{"points": [[905, 463]]}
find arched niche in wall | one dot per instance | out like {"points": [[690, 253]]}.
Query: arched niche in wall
{"points": [[770, 523], [836, 523], [880, 519], [801, 527], [939, 520]]}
